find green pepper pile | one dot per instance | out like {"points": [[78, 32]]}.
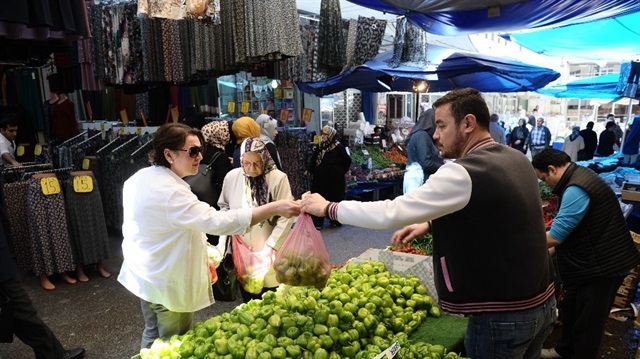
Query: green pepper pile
{"points": [[363, 310], [377, 157]]}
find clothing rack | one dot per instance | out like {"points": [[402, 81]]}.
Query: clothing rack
{"points": [[114, 143], [74, 139], [26, 168], [131, 143], [141, 151], [53, 171], [90, 140]]}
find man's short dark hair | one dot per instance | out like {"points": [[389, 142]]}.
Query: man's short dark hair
{"points": [[550, 157], [590, 124], [610, 124], [9, 121]]}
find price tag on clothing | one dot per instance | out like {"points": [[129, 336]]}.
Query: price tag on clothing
{"points": [[139, 130], [102, 126], [121, 131], [231, 107], [306, 114], [50, 185], [86, 163], [284, 115], [20, 150], [124, 117], [37, 150], [82, 184], [245, 107]]}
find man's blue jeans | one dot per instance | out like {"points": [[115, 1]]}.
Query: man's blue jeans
{"points": [[510, 335]]}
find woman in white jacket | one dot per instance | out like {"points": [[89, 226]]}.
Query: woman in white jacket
{"points": [[255, 183]]}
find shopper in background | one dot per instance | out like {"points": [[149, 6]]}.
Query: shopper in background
{"points": [[573, 143], [504, 286], [590, 143], [594, 250], [268, 133], [496, 130], [607, 140], [243, 128], [518, 136], [631, 145], [329, 163], [257, 182], [18, 316], [617, 131], [164, 246], [420, 146], [539, 138], [8, 134]]}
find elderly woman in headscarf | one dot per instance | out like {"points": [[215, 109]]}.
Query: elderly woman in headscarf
{"points": [[420, 146], [329, 163], [243, 128], [268, 134], [255, 183], [573, 143]]}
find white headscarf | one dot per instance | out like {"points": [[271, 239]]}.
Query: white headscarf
{"points": [[267, 127]]}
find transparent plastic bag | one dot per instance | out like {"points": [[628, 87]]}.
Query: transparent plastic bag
{"points": [[251, 267], [303, 259]]}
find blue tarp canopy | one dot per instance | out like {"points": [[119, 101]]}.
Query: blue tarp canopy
{"points": [[598, 87], [459, 70], [455, 17], [617, 37]]}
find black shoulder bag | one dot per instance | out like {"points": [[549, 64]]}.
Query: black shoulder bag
{"points": [[204, 184], [225, 289]]}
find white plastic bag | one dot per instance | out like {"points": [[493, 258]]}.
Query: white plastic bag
{"points": [[413, 177]]}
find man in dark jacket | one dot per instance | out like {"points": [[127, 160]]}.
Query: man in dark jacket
{"points": [[17, 314], [590, 143], [594, 250]]}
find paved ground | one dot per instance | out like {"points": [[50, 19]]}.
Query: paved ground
{"points": [[103, 317]]}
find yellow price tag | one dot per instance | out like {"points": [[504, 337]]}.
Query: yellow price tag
{"points": [[124, 117], [139, 130], [82, 184], [306, 114], [102, 126], [121, 131], [86, 163], [50, 185], [231, 107], [37, 150], [20, 150], [317, 139], [245, 107]]}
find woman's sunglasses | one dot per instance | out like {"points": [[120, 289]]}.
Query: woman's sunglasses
{"points": [[193, 151]]}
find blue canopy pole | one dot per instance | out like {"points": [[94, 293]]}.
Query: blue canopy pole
{"points": [[368, 101]]}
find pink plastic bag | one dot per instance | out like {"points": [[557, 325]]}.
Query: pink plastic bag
{"points": [[303, 259], [251, 267]]}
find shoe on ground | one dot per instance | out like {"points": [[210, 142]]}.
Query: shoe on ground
{"points": [[318, 227], [550, 354], [76, 353]]}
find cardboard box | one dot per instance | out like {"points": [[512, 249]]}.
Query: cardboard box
{"points": [[630, 191], [403, 264]]}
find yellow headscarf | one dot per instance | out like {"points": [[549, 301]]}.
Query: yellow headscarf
{"points": [[245, 127]]}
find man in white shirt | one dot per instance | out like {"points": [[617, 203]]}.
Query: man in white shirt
{"points": [[8, 134]]}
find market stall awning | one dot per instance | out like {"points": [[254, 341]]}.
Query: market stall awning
{"points": [[597, 87], [454, 17], [459, 70], [490, 74], [612, 38]]}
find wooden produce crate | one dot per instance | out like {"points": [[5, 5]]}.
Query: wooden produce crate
{"points": [[627, 291]]}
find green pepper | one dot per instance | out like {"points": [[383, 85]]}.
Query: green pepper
{"points": [[350, 307], [270, 340], [320, 329], [336, 306], [202, 350], [397, 324], [354, 334], [242, 331], [321, 316], [310, 303], [292, 332], [326, 341], [321, 354], [263, 347], [303, 339], [284, 341], [333, 320], [344, 338], [251, 353], [246, 318], [380, 331], [434, 312], [265, 355], [347, 317], [202, 332], [362, 330], [363, 313], [221, 346], [349, 351], [278, 353], [313, 343], [288, 322], [334, 333], [334, 355], [268, 297], [370, 322], [294, 351], [271, 330], [186, 349]]}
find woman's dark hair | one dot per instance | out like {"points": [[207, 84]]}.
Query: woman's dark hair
{"points": [[550, 157], [171, 136], [610, 124]]}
